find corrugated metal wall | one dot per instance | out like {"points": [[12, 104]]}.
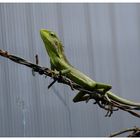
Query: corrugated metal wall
{"points": [[102, 40]]}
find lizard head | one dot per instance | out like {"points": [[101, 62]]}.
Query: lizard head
{"points": [[53, 46], [52, 43]]}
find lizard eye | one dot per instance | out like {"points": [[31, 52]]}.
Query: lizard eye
{"points": [[52, 34]]}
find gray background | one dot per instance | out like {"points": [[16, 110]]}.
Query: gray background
{"points": [[102, 40]]}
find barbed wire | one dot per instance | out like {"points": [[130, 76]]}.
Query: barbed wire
{"points": [[135, 132], [101, 101]]}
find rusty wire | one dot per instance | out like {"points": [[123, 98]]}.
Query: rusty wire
{"points": [[102, 102], [135, 132]]}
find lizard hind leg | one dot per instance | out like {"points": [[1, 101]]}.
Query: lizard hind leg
{"points": [[102, 86]]}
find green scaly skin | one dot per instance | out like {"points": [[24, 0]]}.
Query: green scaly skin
{"points": [[59, 62]]}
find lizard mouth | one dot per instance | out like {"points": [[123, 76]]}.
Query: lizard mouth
{"points": [[45, 35], [43, 32]]}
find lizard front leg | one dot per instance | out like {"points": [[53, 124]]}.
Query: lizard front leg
{"points": [[80, 97]]}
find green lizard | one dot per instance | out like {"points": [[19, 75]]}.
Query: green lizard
{"points": [[59, 62]]}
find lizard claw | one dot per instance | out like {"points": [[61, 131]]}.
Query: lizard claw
{"points": [[109, 111]]}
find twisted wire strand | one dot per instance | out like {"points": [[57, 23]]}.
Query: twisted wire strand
{"points": [[102, 102]]}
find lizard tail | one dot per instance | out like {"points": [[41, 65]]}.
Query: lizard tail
{"points": [[122, 100]]}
